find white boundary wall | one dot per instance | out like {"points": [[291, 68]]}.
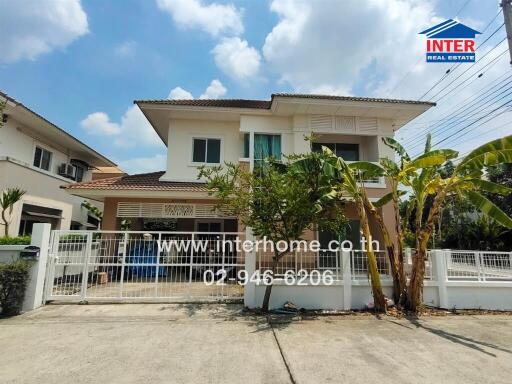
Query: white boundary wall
{"points": [[465, 290], [37, 272]]}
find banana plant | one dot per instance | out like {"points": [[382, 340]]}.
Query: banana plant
{"points": [[351, 186], [466, 180]]}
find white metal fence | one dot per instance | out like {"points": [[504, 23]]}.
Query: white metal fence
{"points": [[478, 265], [112, 265], [323, 260], [194, 266]]}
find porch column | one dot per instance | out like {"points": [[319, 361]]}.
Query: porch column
{"points": [[250, 267], [251, 151]]}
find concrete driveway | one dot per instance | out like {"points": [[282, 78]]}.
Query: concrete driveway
{"points": [[157, 343]]}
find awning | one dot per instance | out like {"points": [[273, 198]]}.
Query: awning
{"points": [[39, 214]]}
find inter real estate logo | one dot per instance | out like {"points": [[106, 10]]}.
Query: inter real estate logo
{"points": [[450, 42]]}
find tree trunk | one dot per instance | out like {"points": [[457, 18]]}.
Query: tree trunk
{"points": [[422, 237], [268, 288], [397, 269], [378, 296], [400, 252], [6, 224]]}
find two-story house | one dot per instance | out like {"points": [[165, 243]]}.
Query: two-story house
{"points": [[199, 132], [39, 158]]}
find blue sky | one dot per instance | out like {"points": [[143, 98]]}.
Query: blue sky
{"points": [[82, 63]]}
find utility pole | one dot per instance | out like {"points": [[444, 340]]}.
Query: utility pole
{"points": [[506, 5]]}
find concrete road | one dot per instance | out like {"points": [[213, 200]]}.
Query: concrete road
{"points": [[156, 343]]}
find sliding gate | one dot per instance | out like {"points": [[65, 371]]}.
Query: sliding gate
{"points": [[144, 266]]}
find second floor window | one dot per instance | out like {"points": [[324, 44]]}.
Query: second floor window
{"points": [[79, 173], [206, 151], [267, 146], [349, 152], [42, 158]]}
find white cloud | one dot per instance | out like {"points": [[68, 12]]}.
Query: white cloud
{"points": [[126, 49], [98, 123], [133, 130], [179, 93], [236, 58], [144, 164], [214, 90], [213, 18], [337, 45], [31, 28]]}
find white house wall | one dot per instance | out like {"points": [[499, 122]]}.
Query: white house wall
{"points": [[19, 142], [17, 147], [179, 153], [291, 128]]}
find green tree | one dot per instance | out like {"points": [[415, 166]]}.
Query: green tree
{"points": [[9, 197], [280, 201], [465, 180]]}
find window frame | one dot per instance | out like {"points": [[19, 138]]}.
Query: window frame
{"points": [[267, 134], [335, 151], [40, 162], [206, 138], [77, 167]]}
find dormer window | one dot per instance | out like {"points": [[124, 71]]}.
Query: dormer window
{"points": [[42, 158], [206, 150]]}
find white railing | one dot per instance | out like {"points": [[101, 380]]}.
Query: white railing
{"points": [[130, 264], [375, 181], [305, 262], [478, 265]]}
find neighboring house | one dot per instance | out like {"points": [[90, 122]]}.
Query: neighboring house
{"points": [[40, 158], [199, 132]]}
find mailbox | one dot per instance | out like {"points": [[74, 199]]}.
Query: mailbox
{"points": [[30, 253]]}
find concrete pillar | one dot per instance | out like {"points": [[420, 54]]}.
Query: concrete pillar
{"points": [[250, 268], [347, 280], [438, 259], [35, 288]]}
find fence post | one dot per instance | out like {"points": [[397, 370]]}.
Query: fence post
{"points": [[34, 293], [85, 271], [347, 280], [440, 259], [408, 255], [250, 268]]}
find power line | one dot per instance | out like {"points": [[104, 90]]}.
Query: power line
{"points": [[455, 66], [462, 103], [467, 69], [489, 64], [421, 58], [469, 125], [465, 106], [482, 108]]}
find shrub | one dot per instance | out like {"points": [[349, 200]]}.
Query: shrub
{"points": [[13, 282], [20, 240]]}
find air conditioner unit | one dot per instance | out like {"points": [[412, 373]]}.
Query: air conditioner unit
{"points": [[67, 170], [62, 170], [70, 171]]}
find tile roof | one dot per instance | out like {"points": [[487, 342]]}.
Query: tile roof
{"points": [[140, 182], [350, 98], [266, 104], [219, 103]]}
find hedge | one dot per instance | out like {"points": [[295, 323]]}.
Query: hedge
{"points": [[13, 282], [20, 240]]}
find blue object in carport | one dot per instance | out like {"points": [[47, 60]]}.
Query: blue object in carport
{"points": [[142, 259]]}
